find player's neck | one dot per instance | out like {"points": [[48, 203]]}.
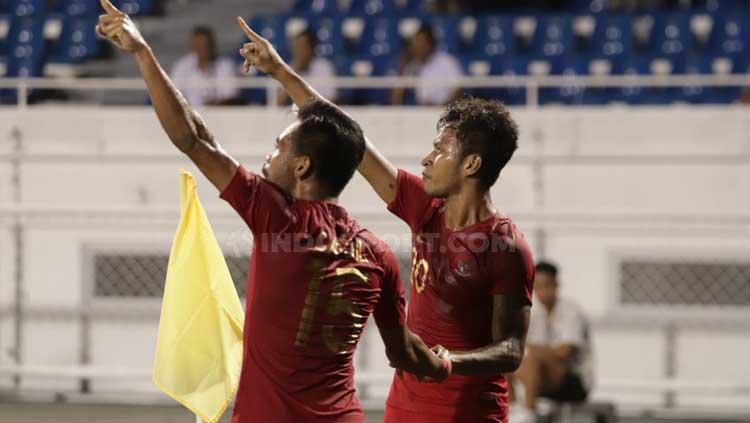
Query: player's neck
{"points": [[467, 207], [309, 192]]}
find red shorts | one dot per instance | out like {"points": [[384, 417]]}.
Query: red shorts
{"points": [[395, 415]]}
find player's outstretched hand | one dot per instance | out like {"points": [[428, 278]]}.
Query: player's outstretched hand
{"points": [[259, 52], [119, 29]]}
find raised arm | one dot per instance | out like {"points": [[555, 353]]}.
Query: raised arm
{"points": [[259, 52], [510, 321], [184, 127]]}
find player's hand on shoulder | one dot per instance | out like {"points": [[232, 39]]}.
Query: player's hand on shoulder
{"points": [[119, 29], [259, 52]]}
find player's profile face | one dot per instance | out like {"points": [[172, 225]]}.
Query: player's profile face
{"points": [[441, 174], [278, 168]]}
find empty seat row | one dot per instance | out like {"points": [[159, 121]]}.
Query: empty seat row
{"points": [[612, 36], [72, 7]]}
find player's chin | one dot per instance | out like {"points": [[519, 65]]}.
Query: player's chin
{"points": [[431, 190]]}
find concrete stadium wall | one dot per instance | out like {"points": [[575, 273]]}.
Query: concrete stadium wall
{"points": [[613, 183]]}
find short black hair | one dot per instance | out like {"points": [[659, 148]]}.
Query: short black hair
{"points": [[310, 36], [204, 30], [546, 267], [332, 140], [483, 127], [426, 29]]}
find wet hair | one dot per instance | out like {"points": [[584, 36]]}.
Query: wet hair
{"points": [[546, 267], [332, 140], [483, 127]]}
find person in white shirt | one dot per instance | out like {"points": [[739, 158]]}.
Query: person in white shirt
{"points": [[202, 76], [425, 61], [557, 363], [318, 70]]}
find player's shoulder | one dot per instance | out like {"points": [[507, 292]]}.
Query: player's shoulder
{"points": [[375, 249], [507, 236]]}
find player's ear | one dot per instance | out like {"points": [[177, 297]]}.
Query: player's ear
{"points": [[472, 164], [302, 167]]}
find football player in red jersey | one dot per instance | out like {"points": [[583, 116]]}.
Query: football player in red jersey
{"points": [[315, 276], [472, 269]]}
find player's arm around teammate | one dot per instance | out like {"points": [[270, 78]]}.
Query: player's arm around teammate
{"points": [[185, 128], [510, 322], [405, 350]]}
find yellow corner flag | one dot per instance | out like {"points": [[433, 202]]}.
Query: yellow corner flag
{"points": [[199, 347]]}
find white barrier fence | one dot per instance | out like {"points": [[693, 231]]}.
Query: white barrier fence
{"points": [[532, 84], [580, 147]]}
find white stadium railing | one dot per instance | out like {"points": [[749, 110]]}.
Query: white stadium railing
{"points": [[532, 84]]}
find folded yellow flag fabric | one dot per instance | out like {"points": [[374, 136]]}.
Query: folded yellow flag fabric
{"points": [[199, 347]]}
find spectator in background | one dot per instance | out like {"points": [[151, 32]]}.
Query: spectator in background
{"points": [[203, 66], [557, 363], [316, 70], [425, 61]]}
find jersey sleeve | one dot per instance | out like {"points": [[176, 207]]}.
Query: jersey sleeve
{"points": [[411, 203], [262, 206], [390, 311], [512, 268]]}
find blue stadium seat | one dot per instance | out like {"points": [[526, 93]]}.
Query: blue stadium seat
{"points": [[135, 7], [730, 34], [573, 93], [477, 66], [696, 94], [79, 7], [364, 66], [494, 36], [553, 37], [26, 37], [613, 37], [445, 29], [330, 38], [272, 28], [317, 7], [671, 35], [642, 65], [717, 5], [589, 6], [25, 43], [509, 66], [28, 7], [78, 41], [380, 38], [5, 21], [371, 7]]}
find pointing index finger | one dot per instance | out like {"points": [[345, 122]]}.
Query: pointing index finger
{"points": [[246, 29], [109, 7]]}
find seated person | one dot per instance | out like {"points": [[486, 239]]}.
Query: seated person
{"points": [[311, 67], [557, 362], [202, 76], [425, 61]]}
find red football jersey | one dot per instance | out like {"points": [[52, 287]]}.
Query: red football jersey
{"points": [[314, 278], [454, 277]]}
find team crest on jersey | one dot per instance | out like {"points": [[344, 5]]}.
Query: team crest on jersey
{"points": [[464, 269]]}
